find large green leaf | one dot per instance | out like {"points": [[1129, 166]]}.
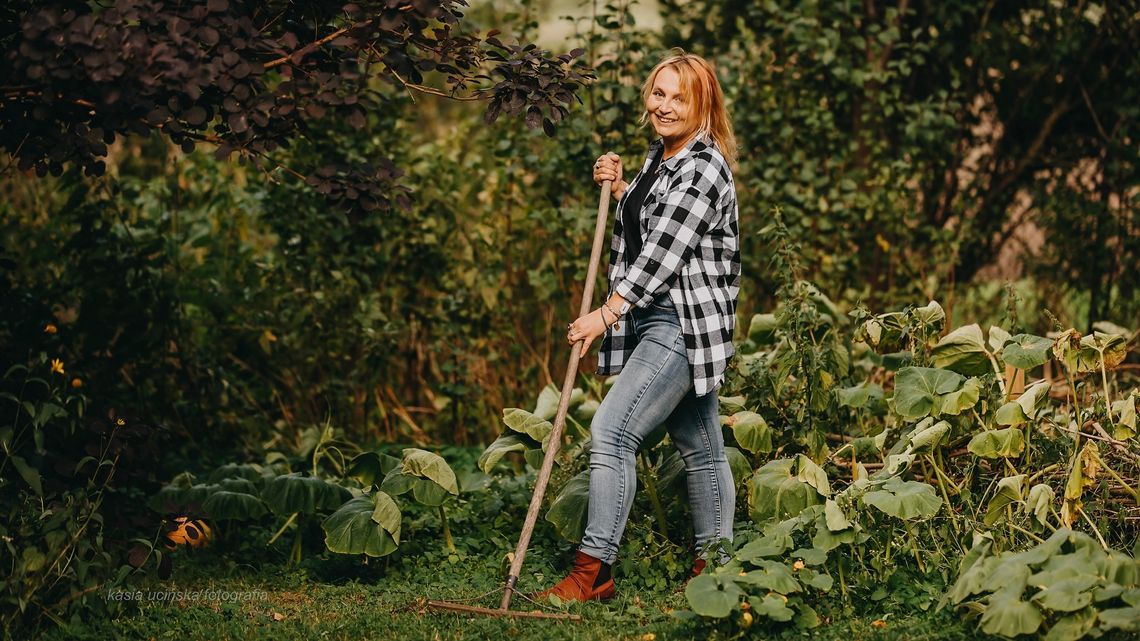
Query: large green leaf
{"points": [[1011, 617], [713, 595], [570, 508], [387, 514], [586, 410], [396, 482], [1025, 407], [353, 530], [238, 506], [1068, 594], [762, 329], [865, 394], [775, 492], [365, 467], [1072, 627], [1038, 500], [249, 471], [547, 404], [926, 439], [834, 517], [964, 351], [770, 575], [752, 432], [524, 422], [1010, 490], [1026, 351], [905, 499], [1003, 443], [771, 606], [428, 492], [429, 465], [497, 450], [738, 464], [289, 493], [1127, 619], [961, 399], [919, 390]]}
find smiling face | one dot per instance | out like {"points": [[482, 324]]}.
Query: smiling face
{"points": [[669, 111]]}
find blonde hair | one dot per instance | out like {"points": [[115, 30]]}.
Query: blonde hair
{"points": [[699, 85]]}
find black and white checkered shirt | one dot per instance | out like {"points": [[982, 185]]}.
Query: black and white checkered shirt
{"points": [[690, 225]]}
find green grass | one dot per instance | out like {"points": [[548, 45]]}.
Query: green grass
{"points": [[339, 598]]}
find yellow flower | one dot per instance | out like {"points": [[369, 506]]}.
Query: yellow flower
{"points": [[77, 382], [56, 366], [798, 565], [50, 328]]}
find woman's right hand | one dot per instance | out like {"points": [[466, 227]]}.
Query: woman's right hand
{"points": [[608, 167]]}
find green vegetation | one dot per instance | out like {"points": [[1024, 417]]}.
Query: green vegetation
{"points": [[335, 386]]}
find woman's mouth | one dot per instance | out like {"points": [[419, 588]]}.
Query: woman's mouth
{"points": [[666, 121]]}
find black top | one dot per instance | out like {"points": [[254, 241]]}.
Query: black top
{"points": [[631, 209]]}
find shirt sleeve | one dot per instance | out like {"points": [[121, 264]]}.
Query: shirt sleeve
{"points": [[676, 228]]}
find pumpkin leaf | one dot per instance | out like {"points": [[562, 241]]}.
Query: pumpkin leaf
{"points": [[865, 394], [1038, 500], [1009, 490], [289, 493], [352, 530], [962, 350], [430, 465], [770, 575], [904, 499], [238, 506], [737, 463], [524, 422], [774, 492], [713, 595], [752, 432], [570, 508], [1003, 443], [1025, 351], [1025, 407], [926, 439], [387, 514], [762, 329], [961, 399], [919, 390], [499, 448], [771, 606], [1011, 617]]}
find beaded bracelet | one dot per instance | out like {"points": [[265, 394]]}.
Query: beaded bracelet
{"points": [[606, 304]]}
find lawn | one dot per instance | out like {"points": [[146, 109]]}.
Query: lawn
{"points": [[307, 603]]}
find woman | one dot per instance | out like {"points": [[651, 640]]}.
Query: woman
{"points": [[668, 320]]}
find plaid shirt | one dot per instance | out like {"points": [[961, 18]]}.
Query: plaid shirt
{"points": [[690, 225]]}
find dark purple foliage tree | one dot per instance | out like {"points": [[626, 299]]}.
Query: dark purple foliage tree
{"points": [[249, 77]]}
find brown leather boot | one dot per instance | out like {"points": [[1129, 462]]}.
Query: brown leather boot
{"points": [[589, 580], [698, 567]]}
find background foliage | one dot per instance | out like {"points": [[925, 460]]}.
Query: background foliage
{"points": [[384, 265]]}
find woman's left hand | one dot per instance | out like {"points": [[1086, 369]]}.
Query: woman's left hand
{"points": [[586, 328]]}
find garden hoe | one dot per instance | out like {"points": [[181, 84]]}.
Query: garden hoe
{"points": [[551, 452]]}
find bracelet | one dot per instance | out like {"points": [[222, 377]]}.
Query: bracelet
{"points": [[604, 317], [606, 304]]}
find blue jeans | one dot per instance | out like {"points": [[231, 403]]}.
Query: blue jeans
{"points": [[656, 386]]}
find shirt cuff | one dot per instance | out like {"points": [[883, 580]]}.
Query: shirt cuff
{"points": [[633, 293]]}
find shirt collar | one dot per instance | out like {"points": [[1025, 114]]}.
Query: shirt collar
{"points": [[671, 163]]}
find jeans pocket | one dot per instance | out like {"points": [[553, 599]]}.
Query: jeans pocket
{"points": [[662, 303]]}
